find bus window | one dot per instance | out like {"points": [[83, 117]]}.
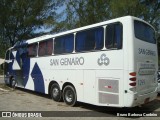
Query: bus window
{"points": [[45, 48], [49, 47], [32, 50], [114, 36], [91, 39], [64, 44], [144, 32], [42, 47], [11, 56], [7, 55]]}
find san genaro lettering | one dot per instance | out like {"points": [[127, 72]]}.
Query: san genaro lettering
{"points": [[146, 52], [67, 61]]}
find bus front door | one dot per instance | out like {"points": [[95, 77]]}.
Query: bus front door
{"points": [[17, 67], [7, 67]]}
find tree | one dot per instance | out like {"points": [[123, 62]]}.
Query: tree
{"points": [[79, 13], [85, 12], [121, 8], [153, 12], [19, 18]]}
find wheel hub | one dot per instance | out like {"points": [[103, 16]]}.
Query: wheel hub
{"points": [[69, 96], [55, 92]]}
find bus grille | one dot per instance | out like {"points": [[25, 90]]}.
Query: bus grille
{"points": [[106, 98], [108, 85], [108, 91]]}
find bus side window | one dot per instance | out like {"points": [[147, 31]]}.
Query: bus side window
{"points": [[98, 38], [7, 55], [91, 39], [32, 50], [49, 46], [45, 47], [42, 48], [64, 44], [114, 36]]}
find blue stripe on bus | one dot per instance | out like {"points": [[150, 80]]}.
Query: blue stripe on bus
{"points": [[18, 58], [26, 68], [10, 64], [38, 80]]}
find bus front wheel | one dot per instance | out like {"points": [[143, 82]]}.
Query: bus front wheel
{"points": [[69, 95], [13, 83], [56, 92]]}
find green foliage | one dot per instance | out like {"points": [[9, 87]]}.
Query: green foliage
{"points": [[127, 7], [158, 45], [79, 13], [21, 17], [3, 50], [153, 12]]}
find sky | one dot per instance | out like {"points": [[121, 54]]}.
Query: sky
{"points": [[45, 29]]}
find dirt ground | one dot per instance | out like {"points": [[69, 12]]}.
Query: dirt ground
{"points": [[20, 100]]}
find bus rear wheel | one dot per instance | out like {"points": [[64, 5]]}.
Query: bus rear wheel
{"points": [[55, 92], [69, 95]]}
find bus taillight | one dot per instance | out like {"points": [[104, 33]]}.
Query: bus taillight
{"points": [[132, 84], [132, 73], [132, 79]]}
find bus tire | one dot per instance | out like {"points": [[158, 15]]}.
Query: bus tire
{"points": [[56, 93], [13, 83], [69, 95]]}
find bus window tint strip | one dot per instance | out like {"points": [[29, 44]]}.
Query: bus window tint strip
{"points": [[32, 50], [144, 32], [64, 44], [49, 47], [7, 55], [45, 47], [91, 39], [87, 40], [114, 36], [42, 47]]}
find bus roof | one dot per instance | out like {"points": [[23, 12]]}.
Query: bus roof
{"points": [[41, 38]]}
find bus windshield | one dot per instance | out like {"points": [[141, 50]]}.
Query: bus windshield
{"points": [[144, 32]]}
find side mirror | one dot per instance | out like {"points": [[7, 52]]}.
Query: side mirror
{"points": [[2, 66]]}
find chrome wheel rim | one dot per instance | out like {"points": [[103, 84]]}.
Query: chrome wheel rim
{"points": [[55, 92], [69, 96]]}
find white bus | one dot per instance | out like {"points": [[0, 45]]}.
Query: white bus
{"points": [[112, 63]]}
